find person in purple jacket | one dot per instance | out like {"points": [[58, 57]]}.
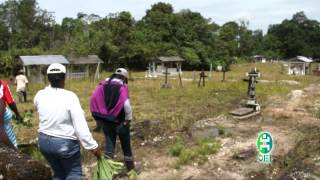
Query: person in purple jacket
{"points": [[110, 107]]}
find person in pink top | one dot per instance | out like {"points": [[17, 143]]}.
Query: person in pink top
{"points": [[110, 107]]}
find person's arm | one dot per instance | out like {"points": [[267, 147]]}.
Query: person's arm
{"points": [[3, 135], [127, 107], [14, 108], [128, 112], [81, 127], [7, 97]]}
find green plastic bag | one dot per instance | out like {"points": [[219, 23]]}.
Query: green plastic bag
{"points": [[106, 169]]}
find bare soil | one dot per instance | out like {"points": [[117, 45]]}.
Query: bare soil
{"points": [[293, 122]]}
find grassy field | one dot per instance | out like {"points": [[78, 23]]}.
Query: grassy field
{"points": [[179, 107]]}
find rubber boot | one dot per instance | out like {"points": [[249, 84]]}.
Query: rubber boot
{"points": [[129, 165]]}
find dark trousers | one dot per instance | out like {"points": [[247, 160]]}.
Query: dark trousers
{"points": [[22, 96], [111, 131]]}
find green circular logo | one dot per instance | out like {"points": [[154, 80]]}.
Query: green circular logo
{"points": [[264, 143]]}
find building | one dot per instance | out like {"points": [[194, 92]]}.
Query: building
{"points": [[84, 66], [35, 67], [299, 65], [77, 67], [260, 58], [170, 65]]}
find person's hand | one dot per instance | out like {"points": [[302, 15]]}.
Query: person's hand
{"points": [[96, 152], [126, 122]]}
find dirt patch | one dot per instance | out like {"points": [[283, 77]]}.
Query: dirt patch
{"points": [[295, 154]]}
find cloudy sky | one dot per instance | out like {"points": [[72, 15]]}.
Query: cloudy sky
{"points": [[259, 13]]}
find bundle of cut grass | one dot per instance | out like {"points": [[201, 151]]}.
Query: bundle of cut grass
{"points": [[106, 169]]}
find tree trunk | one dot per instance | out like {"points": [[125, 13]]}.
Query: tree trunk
{"points": [[15, 165]]}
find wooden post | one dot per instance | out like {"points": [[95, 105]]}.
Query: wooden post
{"points": [[179, 73], [223, 74], [40, 74], [154, 69], [210, 74], [289, 69], [97, 74], [166, 78], [87, 71]]}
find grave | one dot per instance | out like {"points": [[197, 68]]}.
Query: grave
{"points": [[252, 106], [202, 77]]}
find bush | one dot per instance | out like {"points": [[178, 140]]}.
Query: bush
{"points": [[175, 149]]}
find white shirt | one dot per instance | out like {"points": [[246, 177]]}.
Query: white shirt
{"points": [[61, 115], [21, 81]]}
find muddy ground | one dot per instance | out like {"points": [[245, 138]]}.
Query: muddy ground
{"points": [[293, 121]]}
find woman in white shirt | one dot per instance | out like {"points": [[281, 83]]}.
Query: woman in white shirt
{"points": [[62, 127]]}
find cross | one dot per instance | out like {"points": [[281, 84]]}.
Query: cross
{"points": [[202, 76]]}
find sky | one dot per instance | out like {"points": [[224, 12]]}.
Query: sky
{"points": [[259, 13]]}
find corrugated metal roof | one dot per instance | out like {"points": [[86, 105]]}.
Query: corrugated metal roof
{"points": [[301, 59], [91, 59], [43, 60], [171, 59]]}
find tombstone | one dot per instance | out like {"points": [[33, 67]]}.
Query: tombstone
{"points": [[252, 106], [252, 81]]}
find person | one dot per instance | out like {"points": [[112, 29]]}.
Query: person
{"points": [[62, 126], [7, 135], [110, 106], [21, 81]]}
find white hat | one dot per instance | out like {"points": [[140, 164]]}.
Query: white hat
{"points": [[56, 68], [122, 71]]}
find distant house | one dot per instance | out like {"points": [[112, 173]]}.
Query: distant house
{"points": [[299, 65], [77, 67], [161, 65], [36, 66], [84, 66], [260, 58]]}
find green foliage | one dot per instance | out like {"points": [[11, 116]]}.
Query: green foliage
{"points": [[176, 148], [27, 119], [120, 40], [197, 153], [298, 36], [106, 169], [132, 174]]}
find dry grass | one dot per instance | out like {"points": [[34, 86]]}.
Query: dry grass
{"points": [[179, 107]]}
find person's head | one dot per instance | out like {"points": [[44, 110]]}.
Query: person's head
{"points": [[56, 75], [21, 71], [122, 74]]}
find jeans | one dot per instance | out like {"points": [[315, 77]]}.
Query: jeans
{"points": [[111, 131], [63, 155]]}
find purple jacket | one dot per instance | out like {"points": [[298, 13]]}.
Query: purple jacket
{"points": [[98, 101]]}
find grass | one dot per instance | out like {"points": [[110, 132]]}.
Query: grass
{"points": [[179, 107], [197, 153]]}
